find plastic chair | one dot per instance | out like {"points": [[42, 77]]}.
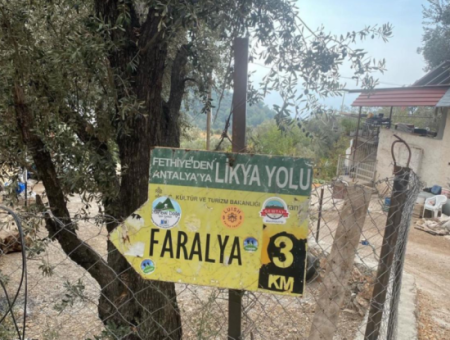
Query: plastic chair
{"points": [[434, 204]]}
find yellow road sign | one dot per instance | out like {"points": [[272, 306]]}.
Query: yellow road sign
{"points": [[226, 220]]}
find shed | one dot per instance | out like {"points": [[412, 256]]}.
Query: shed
{"points": [[431, 156]]}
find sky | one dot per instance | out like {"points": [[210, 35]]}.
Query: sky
{"points": [[404, 65]]}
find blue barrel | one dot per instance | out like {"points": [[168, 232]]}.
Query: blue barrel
{"points": [[20, 188], [387, 204]]}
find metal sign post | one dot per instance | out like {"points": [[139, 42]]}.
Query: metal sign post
{"points": [[238, 145], [240, 93], [320, 214], [208, 118]]}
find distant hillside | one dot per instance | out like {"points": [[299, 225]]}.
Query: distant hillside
{"points": [[256, 114]]}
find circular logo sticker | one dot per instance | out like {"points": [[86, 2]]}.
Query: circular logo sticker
{"points": [[250, 244], [232, 217], [166, 212], [148, 266], [275, 211]]}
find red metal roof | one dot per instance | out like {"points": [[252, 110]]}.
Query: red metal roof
{"points": [[402, 97]]}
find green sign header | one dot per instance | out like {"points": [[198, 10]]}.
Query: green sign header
{"points": [[232, 171]]}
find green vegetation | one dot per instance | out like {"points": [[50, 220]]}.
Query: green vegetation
{"points": [[194, 138], [256, 113], [436, 42], [269, 139], [349, 124], [322, 141]]}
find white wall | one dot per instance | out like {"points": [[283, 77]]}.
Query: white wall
{"points": [[430, 156], [348, 152]]}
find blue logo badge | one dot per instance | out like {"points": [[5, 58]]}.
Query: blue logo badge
{"points": [[250, 244], [147, 266]]}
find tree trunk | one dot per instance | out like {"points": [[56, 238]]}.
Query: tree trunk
{"points": [[149, 308], [143, 309], [78, 251], [172, 107]]}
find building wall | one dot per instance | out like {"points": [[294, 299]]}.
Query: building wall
{"points": [[430, 156]]}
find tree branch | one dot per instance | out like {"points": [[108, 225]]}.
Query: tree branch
{"points": [[190, 79], [64, 232], [85, 133]]}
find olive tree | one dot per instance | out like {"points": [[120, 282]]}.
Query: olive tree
{"points": [[436, 37], [88, 88]]}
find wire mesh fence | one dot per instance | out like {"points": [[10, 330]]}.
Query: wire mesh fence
{"points": [[351, 292]]}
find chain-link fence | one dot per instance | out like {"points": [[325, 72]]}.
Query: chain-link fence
{"points": [[356, 249]]}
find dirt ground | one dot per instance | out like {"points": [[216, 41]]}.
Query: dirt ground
{"points": [[428, 259]]}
